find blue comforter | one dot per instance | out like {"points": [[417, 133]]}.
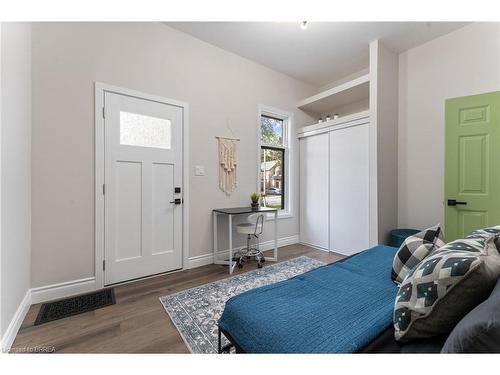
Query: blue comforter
{"points": [[338, 308]]}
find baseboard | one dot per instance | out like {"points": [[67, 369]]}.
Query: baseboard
{"points": [[284, 241], [203, 260], [314, 246], [199, 261], [18, 318], [40, 295], [62, 290]]}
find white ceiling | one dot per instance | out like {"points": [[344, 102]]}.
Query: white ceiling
{"points": [[325, 52]]}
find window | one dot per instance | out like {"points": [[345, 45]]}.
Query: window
{"points": [[271, 180], [274, 159], [144, 131]]}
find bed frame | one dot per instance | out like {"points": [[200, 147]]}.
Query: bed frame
{"points": [[384, 343], [227, 348]]}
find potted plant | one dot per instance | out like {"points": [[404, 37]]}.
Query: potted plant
{"points": [[255, 200]]}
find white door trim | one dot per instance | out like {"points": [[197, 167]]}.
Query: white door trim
{"points": [[100, 89]]}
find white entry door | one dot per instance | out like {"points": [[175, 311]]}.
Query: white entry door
{"points": [[143, 187]]}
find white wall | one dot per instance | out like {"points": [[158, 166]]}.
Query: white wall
{"points": [[220, 87], [15, 167], [464, 62]]}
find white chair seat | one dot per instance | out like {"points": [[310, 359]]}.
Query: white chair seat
{"points": [[246, 228]]}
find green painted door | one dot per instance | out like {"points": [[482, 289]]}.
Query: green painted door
{"points": [[472, 164]]}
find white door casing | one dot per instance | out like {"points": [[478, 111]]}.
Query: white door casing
{"points": [[141, 231]]}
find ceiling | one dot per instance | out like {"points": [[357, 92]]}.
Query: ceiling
{"points": [[323, 53]]}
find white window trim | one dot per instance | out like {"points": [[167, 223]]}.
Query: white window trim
{"points": [[288, 211]]}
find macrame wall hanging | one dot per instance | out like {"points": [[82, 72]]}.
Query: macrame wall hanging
{"points": [[227, 164]]}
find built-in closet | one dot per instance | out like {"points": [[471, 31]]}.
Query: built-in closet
{"points": [[348, 163]]}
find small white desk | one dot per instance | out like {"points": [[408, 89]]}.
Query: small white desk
{"points": [[230, 212]]}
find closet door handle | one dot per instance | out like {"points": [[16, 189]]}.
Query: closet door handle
{"points": [[176, 201]]}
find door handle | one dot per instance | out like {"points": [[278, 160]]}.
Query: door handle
{"points": [[454, 202], [176, 201]]}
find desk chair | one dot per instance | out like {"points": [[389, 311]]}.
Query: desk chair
{"points": [[253, 227]]}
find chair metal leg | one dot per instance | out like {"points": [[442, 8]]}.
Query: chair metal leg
{"points": [[251, 251]]}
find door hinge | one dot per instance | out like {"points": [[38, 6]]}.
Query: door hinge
{"points": [[103, 113], [103, 189], [104, 265]]}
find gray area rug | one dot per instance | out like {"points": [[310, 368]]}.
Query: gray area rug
{"points": [[195, 312]]}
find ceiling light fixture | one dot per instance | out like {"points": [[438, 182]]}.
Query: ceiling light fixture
{"points": [[303, 25]]}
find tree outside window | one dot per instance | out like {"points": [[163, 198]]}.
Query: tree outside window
{"points": [[272, 157]]}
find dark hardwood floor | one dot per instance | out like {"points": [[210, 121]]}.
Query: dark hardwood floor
{"points": [[137, 323]]}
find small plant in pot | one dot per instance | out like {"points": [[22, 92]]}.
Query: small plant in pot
{"points": [[255, 200]]}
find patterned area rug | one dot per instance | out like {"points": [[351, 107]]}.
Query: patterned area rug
{"points": [[195, 312]]}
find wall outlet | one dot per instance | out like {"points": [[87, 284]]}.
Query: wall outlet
{"points": [[199, 170]]}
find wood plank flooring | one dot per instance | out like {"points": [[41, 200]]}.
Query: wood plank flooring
{"points": [[137, 323]]}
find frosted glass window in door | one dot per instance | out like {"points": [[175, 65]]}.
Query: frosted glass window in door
{"points": [[145, 131]]}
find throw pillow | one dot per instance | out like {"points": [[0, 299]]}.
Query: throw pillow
{"points": [[413, 250], [444, 287], [487, 232], [479, 330]]}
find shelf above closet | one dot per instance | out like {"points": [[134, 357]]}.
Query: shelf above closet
{"points": [[341, 122], [339, 96]]}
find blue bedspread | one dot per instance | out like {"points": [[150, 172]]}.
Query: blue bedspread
{"points": [[338, 308]]}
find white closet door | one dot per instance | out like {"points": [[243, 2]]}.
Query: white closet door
{"points": [[349, 192], [314, 190]]}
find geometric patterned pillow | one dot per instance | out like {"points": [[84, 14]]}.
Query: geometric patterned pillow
{"points": [[444, 287], [486, 233], [467, 245], [413, 250]]}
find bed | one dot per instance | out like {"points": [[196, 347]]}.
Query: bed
{"points": [[344, 307]]}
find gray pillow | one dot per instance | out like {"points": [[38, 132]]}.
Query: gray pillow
{"points": [[479, 330], [444, 287]]}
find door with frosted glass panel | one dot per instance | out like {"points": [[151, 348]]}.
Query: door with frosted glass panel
{"points": [[143, 187]]}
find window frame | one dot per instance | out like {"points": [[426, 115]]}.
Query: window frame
{"points": [[287, 171], [284, 175]]}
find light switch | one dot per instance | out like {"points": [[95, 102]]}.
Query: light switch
{"points": [[199, 170]]}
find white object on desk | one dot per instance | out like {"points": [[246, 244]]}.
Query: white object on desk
{"points": [[230, 212]]}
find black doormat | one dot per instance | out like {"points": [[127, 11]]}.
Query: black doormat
{"points": [[75, 305]]}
